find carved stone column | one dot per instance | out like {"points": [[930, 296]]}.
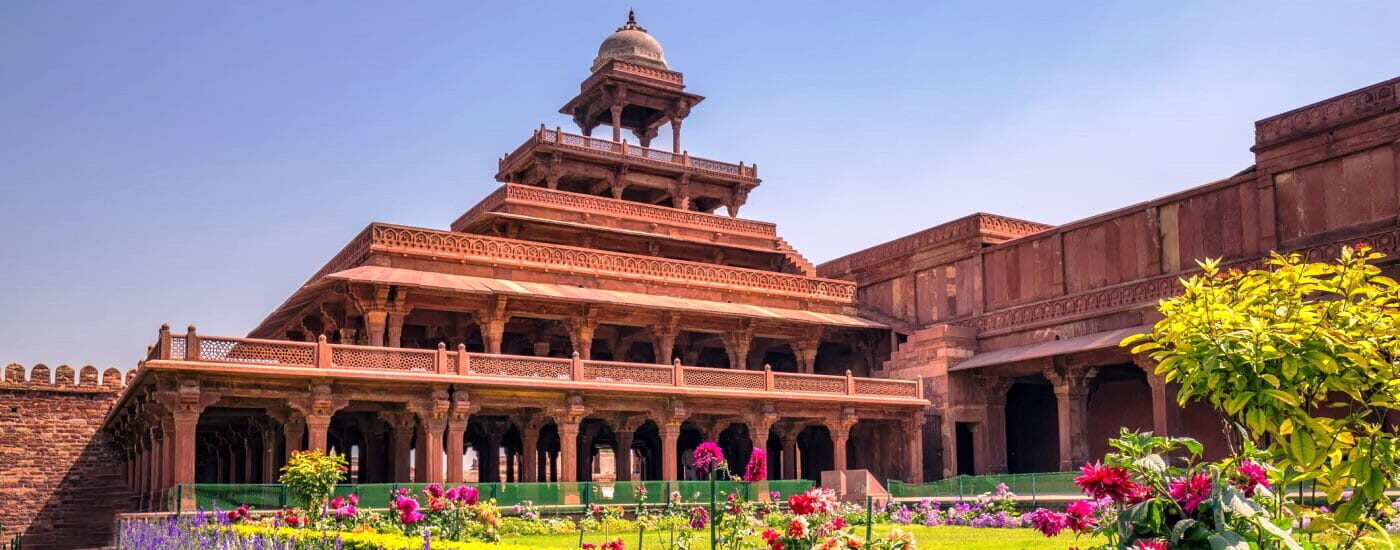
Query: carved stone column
{"points": [[432, 414], [805, 349], [157, 456], [568, 450], [493, 324], [840, 429], [293, 433], [185, 402], [664, 338], [529, 443], [581, 329], [269, 455], [1162, 398], [676, 135], [318, 407], [1071, 402], [736, 344], [401, 424], [375, 322], [458, 417], [839, 438], [670, 437], [790, 452], [994, 425], [623, 456], [616, 110], [914, 448]]}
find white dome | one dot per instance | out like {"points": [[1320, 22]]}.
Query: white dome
{"points": [[632, 44]]}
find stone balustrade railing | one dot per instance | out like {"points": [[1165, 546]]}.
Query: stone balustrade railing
{"points": [[631, 153], [194, 347], [578, 202]]}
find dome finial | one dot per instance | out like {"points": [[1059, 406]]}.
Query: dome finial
{"points": [[631, 24]]}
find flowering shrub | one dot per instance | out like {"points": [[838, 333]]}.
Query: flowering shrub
{"points": [[993, 509], [708, 458], [1140, 501], [757, 469], [310, 476], [1301, 358]]}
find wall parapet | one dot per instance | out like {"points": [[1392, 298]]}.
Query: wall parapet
{"points": [[63, 377]]}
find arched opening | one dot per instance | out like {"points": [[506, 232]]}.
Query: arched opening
{"points": [[815, 452], [691, 436], [737, 446], [1119, 397], [779, 355], [1032, 426]]}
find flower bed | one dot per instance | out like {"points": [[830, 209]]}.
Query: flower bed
{"points": [[439, 517]]}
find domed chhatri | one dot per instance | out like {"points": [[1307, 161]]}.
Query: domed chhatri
{"points": [[632, 44]]}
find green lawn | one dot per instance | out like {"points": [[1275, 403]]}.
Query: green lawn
{"points": [[930, 538]]}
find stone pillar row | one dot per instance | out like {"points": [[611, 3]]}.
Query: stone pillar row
{"points": [[163, 454]]}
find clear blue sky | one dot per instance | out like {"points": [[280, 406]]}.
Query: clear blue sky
{"points": [[193, 162]]}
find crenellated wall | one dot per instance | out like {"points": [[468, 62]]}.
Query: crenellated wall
{"points": [[61, 478]]}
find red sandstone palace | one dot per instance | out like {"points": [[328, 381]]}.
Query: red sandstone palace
{"points": [[595, 316]]}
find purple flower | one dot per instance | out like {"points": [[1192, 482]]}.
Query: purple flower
{"points": [[708, 456], [757, 469], [433, 490], [699, 517], [902, 516]]}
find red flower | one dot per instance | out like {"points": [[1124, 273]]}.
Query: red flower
{"points": [[1047, 522], [1151, 544], [1110, 482], [1254, 476], [615, 545], [796, 529], [802, 504], [1190, 493], [1080, 516]]}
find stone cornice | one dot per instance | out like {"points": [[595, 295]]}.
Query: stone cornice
{"points": [[393, 239], [1327, 114], [1145, 292], [968, 226]]}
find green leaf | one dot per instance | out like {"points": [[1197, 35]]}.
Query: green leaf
{"points": [[1179, 530], [1283, 396], [1228, 540], [1191, 445]]}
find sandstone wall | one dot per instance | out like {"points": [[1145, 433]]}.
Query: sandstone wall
{"points": [[61, 481]]}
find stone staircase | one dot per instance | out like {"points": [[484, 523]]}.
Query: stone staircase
{"points": [[798, 260]]}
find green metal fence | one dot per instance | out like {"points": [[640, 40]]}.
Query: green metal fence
{"points": [[1032, 486], [207, 496]]}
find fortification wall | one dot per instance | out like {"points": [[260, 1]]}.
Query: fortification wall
{"points": [[61, 478]]}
